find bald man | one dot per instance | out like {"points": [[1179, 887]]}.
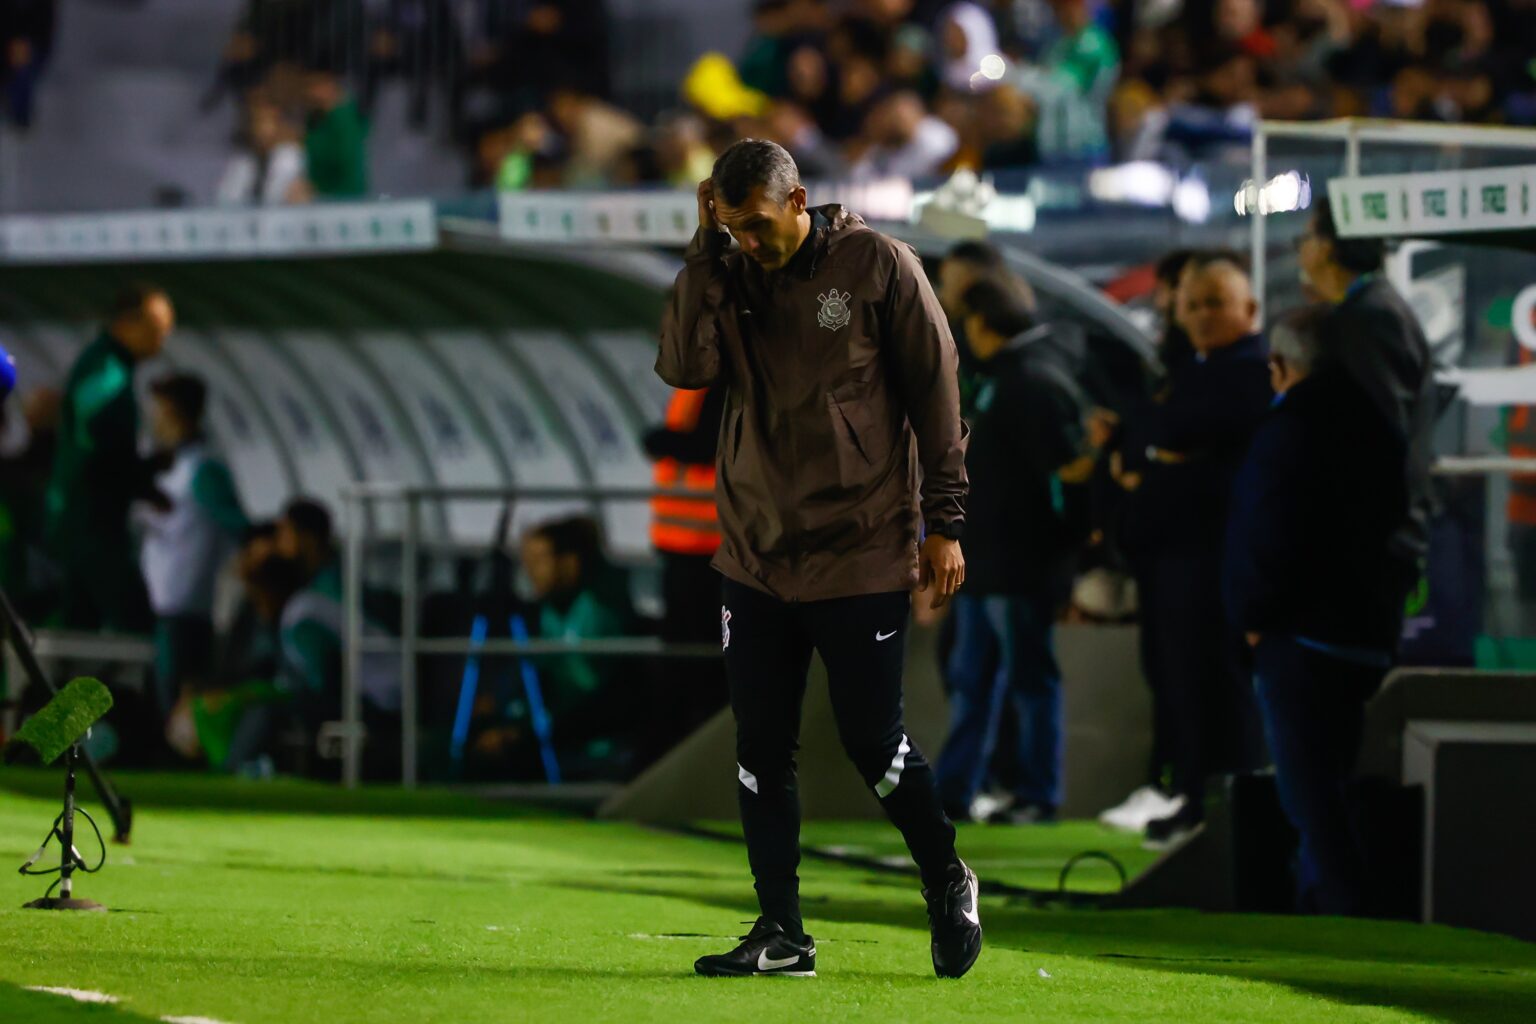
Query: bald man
{"points": [[1197, 436]]}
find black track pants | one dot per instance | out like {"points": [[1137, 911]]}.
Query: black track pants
{"points": [[768, 645]]}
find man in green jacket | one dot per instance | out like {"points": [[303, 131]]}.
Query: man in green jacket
{"points": [[98, 472], [336, 141]]}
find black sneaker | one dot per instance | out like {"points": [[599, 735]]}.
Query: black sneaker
{"points": [[954, 918], [765, 950]]}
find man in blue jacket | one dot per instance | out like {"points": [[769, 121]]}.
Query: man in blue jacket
{"points": [[1313, 576]]}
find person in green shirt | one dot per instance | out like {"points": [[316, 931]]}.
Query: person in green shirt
{"points": [[1081, 69], [336, 140], [578, 595], [98, 472]]}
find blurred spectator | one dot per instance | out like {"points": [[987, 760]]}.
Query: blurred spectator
{"points": [[213, 722], [507, 158], [420, 41], [777, 27], [683, 155], [290, 33], [1025, 521], [1128, 466], [1196, 436], [1080, 72], [685, 529], [853, 80], [248, 649], [189, 539], [966, 35], [598, 135], [965, 265], [97, 470], [1312, 578], [580, 595], [1375, 335], [905, 140], [270, 169], [27, 447], [970, 263], [26, 43], [1174, 350], [520, 52], [685, 532], [791, 127], [1005, 128], [233, 724], [336, 139], [304, 537]]}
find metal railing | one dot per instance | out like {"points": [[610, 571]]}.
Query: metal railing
{"points": [[58, 645], [357, 499], [410, 645]]}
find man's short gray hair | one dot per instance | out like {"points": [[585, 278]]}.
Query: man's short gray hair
{"points": [[751, 163], [1296, 338]]}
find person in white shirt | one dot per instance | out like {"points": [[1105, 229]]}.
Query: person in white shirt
{"points": [[189, 539], [270, 169], [908, 142]]}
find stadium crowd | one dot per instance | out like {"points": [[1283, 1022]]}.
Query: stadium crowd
{"points": [[852, 88]]}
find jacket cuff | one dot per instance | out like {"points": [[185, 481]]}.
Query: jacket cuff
{"points": [[954, 529]]}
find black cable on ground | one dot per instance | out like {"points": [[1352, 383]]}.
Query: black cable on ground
{"points": [[1057, 896], [80, 864], [1076, 859]]}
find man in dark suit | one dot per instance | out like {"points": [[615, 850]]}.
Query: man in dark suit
{"points": [[1374, 336], [1195, 438], [1312, 576]]}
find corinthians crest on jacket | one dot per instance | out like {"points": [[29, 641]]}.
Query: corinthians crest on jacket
{"points": [[834, 309]]}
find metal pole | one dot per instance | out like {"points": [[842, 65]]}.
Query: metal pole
{"points": [[1258, 237], [352, 650], [408, 602], [1352, 151], [67, 826]]}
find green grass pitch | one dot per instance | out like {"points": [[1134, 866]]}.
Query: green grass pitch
{"points": [[290, 903]]}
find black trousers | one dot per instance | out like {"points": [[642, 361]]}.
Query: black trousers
{"points": [[768, 645], [1207, 708], [1313, 707]]}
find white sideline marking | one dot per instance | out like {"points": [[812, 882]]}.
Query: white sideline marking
{"points": [[493, 927], [191, 1020], [79, 995]]}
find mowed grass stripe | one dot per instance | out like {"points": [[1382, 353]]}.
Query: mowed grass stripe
{"points": [[324, 917]]}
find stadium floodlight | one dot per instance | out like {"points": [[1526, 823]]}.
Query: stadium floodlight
{"points": [[56, 730]]}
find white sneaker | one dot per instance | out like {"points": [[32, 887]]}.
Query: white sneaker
{"points": [[987, 804], [1146, 804]]}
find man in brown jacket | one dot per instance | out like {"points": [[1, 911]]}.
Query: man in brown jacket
{"points": [[841, 446]]}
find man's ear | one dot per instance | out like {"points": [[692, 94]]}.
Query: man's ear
{"points": [[797, 198], [1253, 313]]}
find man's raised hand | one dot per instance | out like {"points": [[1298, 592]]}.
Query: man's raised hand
{"points": [[707, 205]]}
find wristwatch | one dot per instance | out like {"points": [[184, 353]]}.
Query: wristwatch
{"points": [[953, 529]]}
